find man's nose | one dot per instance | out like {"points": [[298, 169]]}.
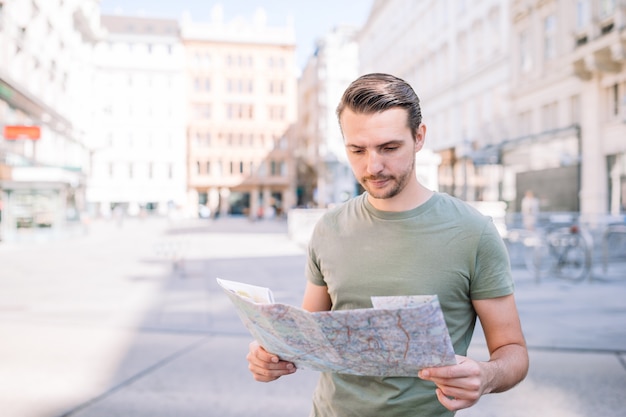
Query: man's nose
{"points": [[374, 163]]}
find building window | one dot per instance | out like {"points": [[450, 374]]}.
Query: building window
{"points": [[614, 101], [278, 168], [462, 51], [208, 168], [575, 110], [202, 111], [583, 16], [549, 116], [239, 85], [607, 8], [549, 37], [240, 111], [525, 51], [277, 113], [616, 165], [277, 87], [524, 123], [477, 43]]}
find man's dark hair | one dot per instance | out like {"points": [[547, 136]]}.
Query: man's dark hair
{"points": [[374, 93]]}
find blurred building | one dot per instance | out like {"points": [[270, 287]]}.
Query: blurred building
{"points": [[517, 95], [569, 95], [46, 80], [241, 83], [138, 142], [456, 56], [324, 174]]}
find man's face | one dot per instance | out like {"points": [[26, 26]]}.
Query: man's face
{"points": [[381, 150]]}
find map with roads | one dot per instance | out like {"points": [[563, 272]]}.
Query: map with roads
{"points": [[398, 337]]}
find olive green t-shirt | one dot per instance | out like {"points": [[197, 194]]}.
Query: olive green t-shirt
{"points": [[443, 247]]}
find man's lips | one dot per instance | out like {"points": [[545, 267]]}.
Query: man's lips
{"points": [[377, 182]]}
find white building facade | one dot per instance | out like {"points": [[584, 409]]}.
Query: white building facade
{"points": [[46, 82], [569, 90], [139, 139], [456, 56], [517, 95], [325, 174]]}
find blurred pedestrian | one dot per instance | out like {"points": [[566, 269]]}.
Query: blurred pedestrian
{"points": [[400, 238], [530, 210]]}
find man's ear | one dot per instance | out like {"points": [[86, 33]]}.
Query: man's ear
{"points": [[420, 137]]}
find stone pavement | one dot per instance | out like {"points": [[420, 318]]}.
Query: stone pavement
{"points": [[129, 321]]}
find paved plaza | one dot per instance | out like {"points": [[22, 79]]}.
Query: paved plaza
{"points": [[128, 320]]}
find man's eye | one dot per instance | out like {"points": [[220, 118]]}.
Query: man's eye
{"points": [[357, 151], [391, 148]]}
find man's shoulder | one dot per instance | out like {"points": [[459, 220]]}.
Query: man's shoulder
{"points": [[342, 213], [460, 209]]}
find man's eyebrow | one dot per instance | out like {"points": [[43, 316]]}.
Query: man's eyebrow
{"points": [[393, 142], [381, 145]]}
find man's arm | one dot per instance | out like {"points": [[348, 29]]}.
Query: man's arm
{"points": [[316, 298], [461, 386], [508, 355]]}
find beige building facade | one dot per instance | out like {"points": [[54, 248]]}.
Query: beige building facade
{"points": [[241, 101], [517, 95]]}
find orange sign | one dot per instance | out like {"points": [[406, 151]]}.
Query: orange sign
{"points": [[22, 132]]}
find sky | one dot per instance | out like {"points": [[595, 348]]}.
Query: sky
{"points": [[312, 18]]}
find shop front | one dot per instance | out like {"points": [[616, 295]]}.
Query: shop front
{"points": [[40, 203]]}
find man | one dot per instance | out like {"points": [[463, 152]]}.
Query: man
{"points": [[530, 210], [399, 238]]}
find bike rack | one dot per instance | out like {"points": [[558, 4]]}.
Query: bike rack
{"points": [[611, 230]]}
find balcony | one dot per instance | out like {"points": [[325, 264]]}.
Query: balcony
{"points": [[601, 46], [604, 55]]}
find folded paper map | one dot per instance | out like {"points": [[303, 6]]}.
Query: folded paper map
{"points": [[398, 337]]}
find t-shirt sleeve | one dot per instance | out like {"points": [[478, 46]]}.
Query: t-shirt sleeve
{"points": [[313, 272], [492, 276]]}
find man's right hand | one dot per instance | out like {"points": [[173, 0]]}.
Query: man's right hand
{"points": [[266, 367]]}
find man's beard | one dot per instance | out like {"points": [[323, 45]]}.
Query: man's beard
{"points": [[393, 189]]}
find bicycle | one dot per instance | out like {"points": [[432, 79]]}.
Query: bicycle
{"points": [[565, 251]]}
